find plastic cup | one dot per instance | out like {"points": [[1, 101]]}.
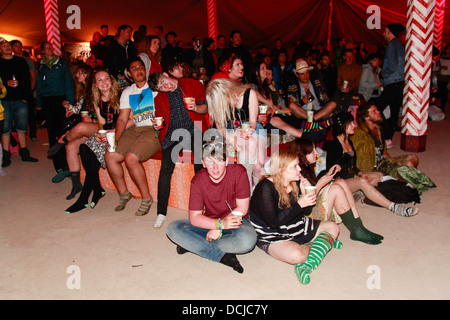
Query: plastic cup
{"points": [[263, 109], [310, 189], [244, 128], [159, 123], [310, 117], [237, 213], [84, 114], [189, 103], [345, 84], [111, 138], [102, 133]]}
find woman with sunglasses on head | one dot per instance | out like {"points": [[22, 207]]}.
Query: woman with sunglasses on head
{"points": [[218, 227], [105, 101], [340, 151], [234, 109]]}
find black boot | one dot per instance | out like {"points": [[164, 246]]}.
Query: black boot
{"points": [[25, 155], [57, 146], [6, 158]]}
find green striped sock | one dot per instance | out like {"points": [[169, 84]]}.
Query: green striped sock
{"points": [[319, 248]]}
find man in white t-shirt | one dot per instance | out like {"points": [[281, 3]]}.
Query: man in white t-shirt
{"points": [[136, 140]]}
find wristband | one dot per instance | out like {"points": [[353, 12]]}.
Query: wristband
{"points": [[217, 222], [220, 228]]}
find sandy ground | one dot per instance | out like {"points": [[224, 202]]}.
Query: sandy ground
{"points": [[101, 254]]}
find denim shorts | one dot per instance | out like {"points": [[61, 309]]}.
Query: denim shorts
{"points": [[16, 111]]}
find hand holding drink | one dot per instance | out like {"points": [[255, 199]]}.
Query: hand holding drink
{"points": [[158, 123], [245, 127], [189, 103], [263, 114], [101, 135], [85, 116], [13, 82]]}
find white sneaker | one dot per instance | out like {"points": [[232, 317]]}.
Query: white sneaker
{"points": [[389, 143], [159, 221]]}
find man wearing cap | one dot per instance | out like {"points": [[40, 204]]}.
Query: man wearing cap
{"points": [[16, 78], [307, 87], [393, 79]]}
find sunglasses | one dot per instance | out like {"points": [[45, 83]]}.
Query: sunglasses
{"points": [[212, 145]]}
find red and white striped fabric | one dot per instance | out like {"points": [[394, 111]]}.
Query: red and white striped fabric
{"points": [[52, 25], [212, 19], [438, 25], [418, 59]]}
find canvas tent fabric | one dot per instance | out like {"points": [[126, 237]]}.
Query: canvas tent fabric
{"points": [[260, 21]]}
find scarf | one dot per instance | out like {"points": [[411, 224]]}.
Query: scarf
{"points": [[49, 62]]}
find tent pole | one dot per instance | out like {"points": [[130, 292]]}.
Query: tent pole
{"points": [[330, 20], [212, 19], [52, 25], [438, 25], [418, 58]]}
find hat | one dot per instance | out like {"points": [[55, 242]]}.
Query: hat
{"points": [[396, 28], [301, 64], [3, 40]]}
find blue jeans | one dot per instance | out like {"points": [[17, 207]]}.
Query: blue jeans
{"points": [[193, 239], [15, 111]]}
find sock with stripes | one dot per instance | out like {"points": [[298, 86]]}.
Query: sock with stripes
{"points": [[403, 211], [319, 248]]}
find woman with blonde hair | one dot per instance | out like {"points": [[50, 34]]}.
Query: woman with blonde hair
{"points": [[234, 109], [105, 101], [279, 208]]}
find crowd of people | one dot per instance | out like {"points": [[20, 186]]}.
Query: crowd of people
{"points": [[139, 94]]}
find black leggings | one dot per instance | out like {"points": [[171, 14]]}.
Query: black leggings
{"points": [[91, 166], [55, 114]]}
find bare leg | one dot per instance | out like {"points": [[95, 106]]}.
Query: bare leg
{"points": [[369, 190], [72, 151], [6, 141], [294, 253], [114, 164], [82, 129], [277, 122], [137, 173], [338, 199], [349, 196], [325, 112], [21, 136]]}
